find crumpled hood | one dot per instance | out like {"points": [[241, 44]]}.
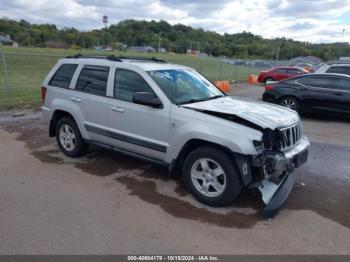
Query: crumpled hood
{"points": [[262, 114]]}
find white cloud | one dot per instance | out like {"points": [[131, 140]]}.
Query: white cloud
{"points": [[305, 20]]}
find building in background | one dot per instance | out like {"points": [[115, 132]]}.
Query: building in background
{"points": [[142, 49], [305, 59]]}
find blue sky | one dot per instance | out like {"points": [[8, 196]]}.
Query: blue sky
{"points": [[304, 20]]}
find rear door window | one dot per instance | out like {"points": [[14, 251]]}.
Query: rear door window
{"points": [[339, 70], [281, 71], [93, 80], [63, 75], [293, 71], [316, 81]]}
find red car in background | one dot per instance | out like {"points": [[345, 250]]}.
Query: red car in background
{"points": [[280, 73]]}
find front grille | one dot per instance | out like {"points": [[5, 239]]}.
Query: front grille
{"points": [[291, 136]]}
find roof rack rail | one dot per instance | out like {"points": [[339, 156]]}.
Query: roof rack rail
{"points": [[119, 58], [110, 57], [153, 59]]}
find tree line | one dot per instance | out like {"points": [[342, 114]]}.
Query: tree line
{"points": [[174, 38]]}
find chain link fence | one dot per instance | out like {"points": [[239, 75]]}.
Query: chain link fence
{"points": [[21, 73]]}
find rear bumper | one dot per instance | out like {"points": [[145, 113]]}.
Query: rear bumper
{"points": [[260, 78], [270, 97], [46, 114]]}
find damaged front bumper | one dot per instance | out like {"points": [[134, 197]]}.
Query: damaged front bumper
{"points": [[277, 185]]}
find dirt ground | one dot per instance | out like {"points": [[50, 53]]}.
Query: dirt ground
{"points": [[105, 203]]}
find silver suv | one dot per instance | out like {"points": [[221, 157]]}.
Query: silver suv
{"points": [[171, 115]]}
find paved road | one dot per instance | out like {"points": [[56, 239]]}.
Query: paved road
{"points": [[105, 203]]}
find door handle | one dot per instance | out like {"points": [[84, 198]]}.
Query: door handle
{"points": [[117, 109], [75, 99]]}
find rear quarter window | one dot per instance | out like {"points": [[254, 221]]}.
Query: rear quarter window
{"points": [[63, 75], [342, 84]]}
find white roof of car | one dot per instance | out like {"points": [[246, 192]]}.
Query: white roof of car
{"points": [[151, 66], [145, 65], [323, 68]]}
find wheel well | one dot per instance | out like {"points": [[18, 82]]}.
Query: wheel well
{"points": [[195, 143], [267, 77], [279, 100], [57, 115]]}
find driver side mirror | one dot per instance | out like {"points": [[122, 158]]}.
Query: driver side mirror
{"points": [[147, 99]]}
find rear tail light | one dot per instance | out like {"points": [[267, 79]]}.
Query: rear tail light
{"points": [[268, 88], [43, 93]]}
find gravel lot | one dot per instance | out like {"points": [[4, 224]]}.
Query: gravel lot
{"points": [[105, 203]]}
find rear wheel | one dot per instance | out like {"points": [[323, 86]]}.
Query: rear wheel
{"points": [[290, 102], [69, 139], [269, 79], [211, 176]]}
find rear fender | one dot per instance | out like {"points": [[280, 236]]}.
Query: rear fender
{"points": [[72, 109]]}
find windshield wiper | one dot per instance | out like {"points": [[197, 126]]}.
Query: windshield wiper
{"points": [[201, 99]]}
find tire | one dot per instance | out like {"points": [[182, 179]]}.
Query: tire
{"points": [[69, 139], [268, 79], [197, 181], [290, 102]]}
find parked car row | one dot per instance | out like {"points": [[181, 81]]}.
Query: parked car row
{"points": [[327, 91], [312, 93]]}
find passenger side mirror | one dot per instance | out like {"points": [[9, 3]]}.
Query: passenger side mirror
{"points": [[147, 99]]}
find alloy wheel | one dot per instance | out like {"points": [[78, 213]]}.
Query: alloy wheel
{"points": [[208, 177], [67, 137], [289, 103]]}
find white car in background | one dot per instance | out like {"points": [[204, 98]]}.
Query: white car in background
{"points": [[343, 69]]}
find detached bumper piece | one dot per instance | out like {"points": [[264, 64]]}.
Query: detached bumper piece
{"points": [[275, 195]]}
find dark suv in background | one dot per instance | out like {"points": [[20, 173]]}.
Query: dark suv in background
{"points": [[317, 93]]}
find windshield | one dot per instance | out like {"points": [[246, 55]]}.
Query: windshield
{"points": [[185, 85]]}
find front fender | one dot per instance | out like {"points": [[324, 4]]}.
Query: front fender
{"points": [[237, 142]]}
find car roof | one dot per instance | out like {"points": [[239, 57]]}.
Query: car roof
{"points": [[313, 74], [320, 74], [145, 65], [330, 74], [287, 67], [339, 64], [150, 66]]}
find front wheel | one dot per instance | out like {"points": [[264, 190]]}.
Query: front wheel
{"points": [[211, 176]]}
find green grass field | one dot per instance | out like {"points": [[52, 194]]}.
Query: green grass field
{"points": [[27, 67]]}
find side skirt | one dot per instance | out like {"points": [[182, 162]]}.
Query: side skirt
{"points": [[131, 154]]}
